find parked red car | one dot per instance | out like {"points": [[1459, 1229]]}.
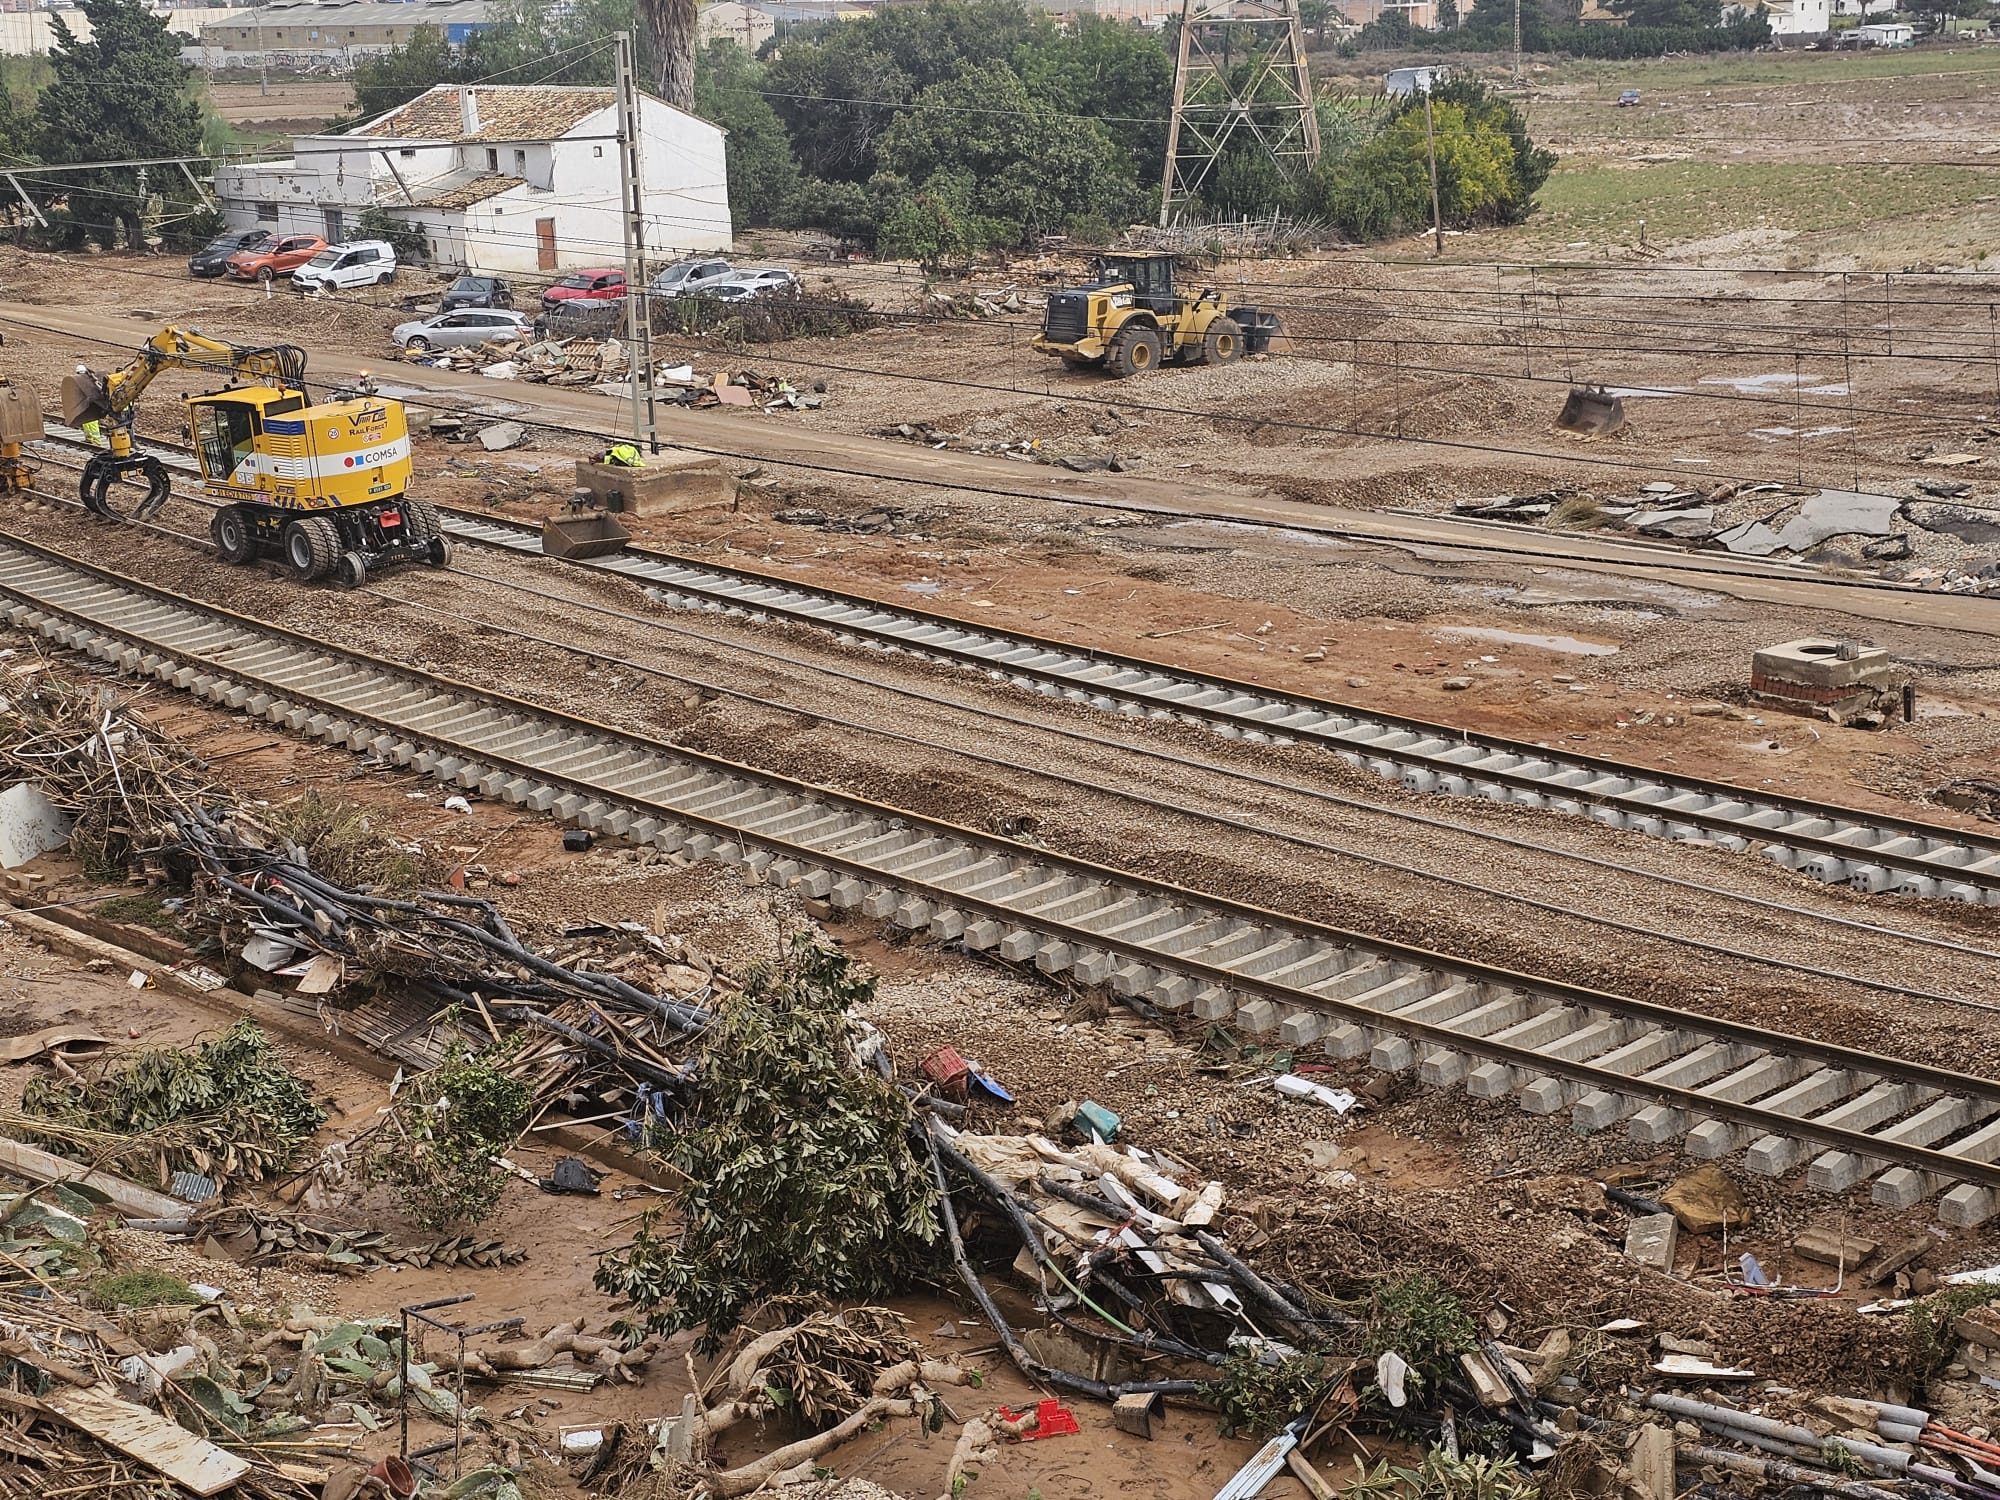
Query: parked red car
{"points": [[585, 289]]}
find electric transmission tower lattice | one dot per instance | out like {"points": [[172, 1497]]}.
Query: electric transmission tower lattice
{"points": [[1241, 72]]}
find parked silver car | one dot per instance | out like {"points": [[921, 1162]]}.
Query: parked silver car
{"points": [[458, 330], [685, 278]]}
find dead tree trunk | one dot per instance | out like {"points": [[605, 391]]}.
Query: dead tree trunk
{"points": [[670, 39]]}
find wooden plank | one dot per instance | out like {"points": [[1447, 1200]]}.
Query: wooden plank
{"points": [[162, 1446], [128, 1198]]}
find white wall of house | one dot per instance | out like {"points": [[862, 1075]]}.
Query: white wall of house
{"points": [[1799, 17], [571, 184]]}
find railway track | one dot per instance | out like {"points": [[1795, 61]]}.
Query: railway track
{"points": [[1864, 850], [1906, 1130]]}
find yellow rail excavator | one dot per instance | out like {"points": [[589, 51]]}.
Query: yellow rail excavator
{"points": [[324, 486]]}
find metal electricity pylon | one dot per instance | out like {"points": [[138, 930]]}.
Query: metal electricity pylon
{"points": [[1241, 72]]}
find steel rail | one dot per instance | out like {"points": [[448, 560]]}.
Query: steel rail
{"points": [[1243, 825], [482, 737], [1228, 772], [1856, 847], [1231, 773]]}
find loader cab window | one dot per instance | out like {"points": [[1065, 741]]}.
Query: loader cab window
{"points": [[1152, 279], [223, 432]]}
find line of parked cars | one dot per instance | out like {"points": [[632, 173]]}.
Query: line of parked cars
{"points": [[311, 263], [684, 278], [476, 308]]}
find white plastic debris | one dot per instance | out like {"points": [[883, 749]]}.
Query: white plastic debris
{"points": [[1292, 1086], [30, 824], [1390, 1368], [457, 804]]}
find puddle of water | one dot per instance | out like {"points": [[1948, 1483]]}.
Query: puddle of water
{"points": [[1754, 385], [1566, 644], [1785, 432]]}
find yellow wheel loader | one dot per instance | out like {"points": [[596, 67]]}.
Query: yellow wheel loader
{"points": [[1129, 317], [322, 485]]}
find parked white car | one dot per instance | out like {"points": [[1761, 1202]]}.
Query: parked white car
{"points": [[462, 329], [686, 278], [356, 263], [770, 279]]}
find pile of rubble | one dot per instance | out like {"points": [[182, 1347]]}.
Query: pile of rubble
{"points": [[937, 438], [1799, 521], [604, 365], [928, 302]]}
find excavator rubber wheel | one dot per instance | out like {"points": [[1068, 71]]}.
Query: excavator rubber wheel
{"points": [[351, 570], [1133, 351], [235, 541], [423, 520], [312, 547], [1222, 344]]}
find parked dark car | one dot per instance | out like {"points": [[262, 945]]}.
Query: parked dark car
{"points": [[477, 291], [213, 259]]}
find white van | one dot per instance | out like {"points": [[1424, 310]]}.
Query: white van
{"points": [[356, 263]]}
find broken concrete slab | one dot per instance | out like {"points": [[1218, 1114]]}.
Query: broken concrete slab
{"points": [[1651, 1240], [1956, 520], [1833, 1249], [501, 436], [1833, 513], [1692, 522], [1751, 539], [30, 824]]}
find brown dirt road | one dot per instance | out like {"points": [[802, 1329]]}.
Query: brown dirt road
{"points": [[860, 456]]}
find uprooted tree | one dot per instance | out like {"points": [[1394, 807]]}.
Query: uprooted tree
{"points": [[795, 1165]]}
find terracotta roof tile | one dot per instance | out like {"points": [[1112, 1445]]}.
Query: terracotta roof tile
{"points": [[506, 113]]}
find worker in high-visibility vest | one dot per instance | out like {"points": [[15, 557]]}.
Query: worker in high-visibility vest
{"points": [[624, 456]]}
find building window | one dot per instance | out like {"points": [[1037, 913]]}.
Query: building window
{"points": [[596, 150], [520, 164], [267, 213], [492, 160], [408, 151]]}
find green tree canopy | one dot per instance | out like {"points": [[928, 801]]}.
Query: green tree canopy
{"points": [[1033, 169], [1488, 169], [728, 91], [124, 95]]}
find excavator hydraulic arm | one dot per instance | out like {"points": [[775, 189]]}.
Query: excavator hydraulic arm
{"points": [[111, 401]]}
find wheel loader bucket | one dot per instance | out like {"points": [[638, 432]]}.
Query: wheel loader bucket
{"points": [[1591, 411]]}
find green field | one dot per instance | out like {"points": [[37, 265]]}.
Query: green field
{"points": [[1685, 200], [1979, 62]]}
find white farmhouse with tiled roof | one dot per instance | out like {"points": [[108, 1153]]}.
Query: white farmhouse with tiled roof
{"points": [[498, 178]]}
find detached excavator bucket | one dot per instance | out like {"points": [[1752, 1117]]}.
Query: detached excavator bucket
{"points": [[1263, 332], [1591, 411]]}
